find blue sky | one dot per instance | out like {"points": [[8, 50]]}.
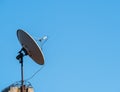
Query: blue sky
{"points": [[82, 53]]}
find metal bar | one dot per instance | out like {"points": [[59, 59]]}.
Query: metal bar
{"points": [[22, 76]]}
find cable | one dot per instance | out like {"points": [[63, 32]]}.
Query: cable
{"points": [[35, 73]]}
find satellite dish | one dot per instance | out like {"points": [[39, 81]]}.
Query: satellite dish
{"points": [[31, 47]]}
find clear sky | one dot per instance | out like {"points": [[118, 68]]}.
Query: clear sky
{"points": [[82, 53]]}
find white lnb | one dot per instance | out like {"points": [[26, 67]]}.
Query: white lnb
{"points": [[43, 38]]}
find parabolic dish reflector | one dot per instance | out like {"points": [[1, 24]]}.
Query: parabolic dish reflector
{"points": [[30, 45]]}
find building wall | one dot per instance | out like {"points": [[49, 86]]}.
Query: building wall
{"points": [[16, 89]]}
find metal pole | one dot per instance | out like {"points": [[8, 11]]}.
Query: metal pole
{"points": [[20, 58], [22, 76]]}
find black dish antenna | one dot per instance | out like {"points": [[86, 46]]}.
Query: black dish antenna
{"points": [[29, 48]]}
